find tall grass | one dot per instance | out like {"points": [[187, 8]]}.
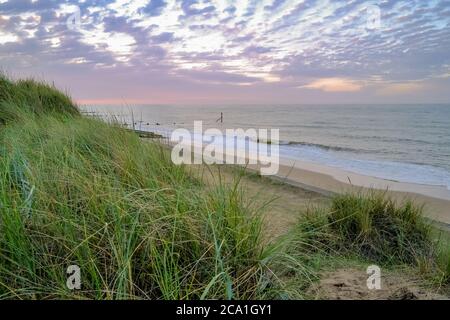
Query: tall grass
{"points": [[376, 229], [82, 192], [23, 98], [76, 191], [380, 229]]}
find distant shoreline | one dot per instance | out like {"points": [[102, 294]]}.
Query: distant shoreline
{"points": [[381, 142], [331, 181], [436, 200], [327, 181]]}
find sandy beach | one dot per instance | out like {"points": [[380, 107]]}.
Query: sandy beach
{"points": [[327, 180]]}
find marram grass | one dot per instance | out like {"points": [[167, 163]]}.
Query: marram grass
{"points": [[86, 193], [378, 230], [77, 191], [25, 98]]}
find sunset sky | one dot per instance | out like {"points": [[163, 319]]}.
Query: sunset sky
{"points": [[252, 51]]}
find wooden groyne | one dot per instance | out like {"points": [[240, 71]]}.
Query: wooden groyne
{"points": [[141, 133]]}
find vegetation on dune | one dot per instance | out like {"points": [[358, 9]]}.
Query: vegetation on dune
{"points": [[23, 98], [87, 194], [378, 230], [444, 265], [77, 191]]}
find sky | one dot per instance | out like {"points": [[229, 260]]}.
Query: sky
{"points": [[233, 52]]}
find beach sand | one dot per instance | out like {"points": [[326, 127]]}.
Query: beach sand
{"points": [[285, 198], [299, 184], [325, 180], [294, 189]]}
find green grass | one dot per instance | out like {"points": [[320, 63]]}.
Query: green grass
{"points": [[25, 98], [78, 191], [380, 229], [373, 228], [82, 192]]}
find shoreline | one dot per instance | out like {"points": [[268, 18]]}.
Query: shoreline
{"points": [[386, 179], [326, 180], [366, 181], [329, 181], [350, 177]]}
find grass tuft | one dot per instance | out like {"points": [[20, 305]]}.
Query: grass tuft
{"points": [[25, 98], [380, 229], [373, 228]]}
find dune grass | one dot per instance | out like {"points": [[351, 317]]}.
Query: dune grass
{"points": [[78, 191], [380, 229], [85, 193], [376, 230], [23, 98]]}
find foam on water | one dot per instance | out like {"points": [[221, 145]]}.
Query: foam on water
{"points": [[348, 161], [405, 143], [388, 170]]}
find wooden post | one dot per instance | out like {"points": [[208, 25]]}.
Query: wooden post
{"points": [[221, 118]]}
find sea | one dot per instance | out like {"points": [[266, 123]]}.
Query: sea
{"points": [[405, 143]]}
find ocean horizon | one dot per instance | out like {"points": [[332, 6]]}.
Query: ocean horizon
{"points": [[404, 143]]}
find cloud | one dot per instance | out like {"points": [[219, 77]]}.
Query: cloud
{"points": [[7, 37], [393, 89], [325, 44], [163, 37], [195, 7], [154, 7], [334, 85]]}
